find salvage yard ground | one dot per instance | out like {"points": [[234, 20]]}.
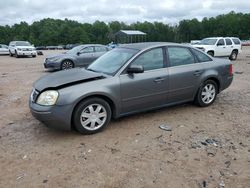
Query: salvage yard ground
{"points": [[207, 147]]}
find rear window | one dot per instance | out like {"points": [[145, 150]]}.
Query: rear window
{"points": [[180, 56], [236, 41], [201, 56]]}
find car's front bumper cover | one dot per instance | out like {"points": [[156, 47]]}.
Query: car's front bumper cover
{"points": [[51, 64], [58, 117]]}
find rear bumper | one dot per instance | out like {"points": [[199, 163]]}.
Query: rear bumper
{"points": [[57, 117], [226, 82]]}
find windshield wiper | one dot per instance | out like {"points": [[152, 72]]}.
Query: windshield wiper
{"points": [[92, 70]]}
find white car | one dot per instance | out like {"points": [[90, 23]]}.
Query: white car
{"points": [[21, 48], [221, 46], [4, 50]]}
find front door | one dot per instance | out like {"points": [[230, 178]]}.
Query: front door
{"points": [[145, 90], [221, 48], [86, 56]]}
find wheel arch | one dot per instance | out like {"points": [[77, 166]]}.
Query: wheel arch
{"points": [[101, 96], [213, 78], [67, 59]]}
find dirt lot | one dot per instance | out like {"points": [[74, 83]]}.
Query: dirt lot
{"points": [[207, 147]]}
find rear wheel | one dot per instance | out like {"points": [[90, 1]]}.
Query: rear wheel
{"points": [[207, 93], [92, 116], [67, 64], [233, 55]]}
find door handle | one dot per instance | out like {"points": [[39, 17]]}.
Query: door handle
{"points": [[197, 73], [158, 80]]}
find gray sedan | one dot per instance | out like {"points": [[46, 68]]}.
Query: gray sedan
{"points": [[80, 56], [129, 79]]}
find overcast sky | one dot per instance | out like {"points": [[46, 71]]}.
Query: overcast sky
{"points": [[129, 11]]}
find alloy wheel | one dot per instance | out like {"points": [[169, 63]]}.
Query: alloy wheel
{"points": [[208, 93], [67, 65], [93, 117]]}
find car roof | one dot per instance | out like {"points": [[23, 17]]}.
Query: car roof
{"points": [[145, 45], [86, 45]]}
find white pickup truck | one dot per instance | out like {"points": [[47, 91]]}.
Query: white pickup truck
{"points": [[221, 46]]}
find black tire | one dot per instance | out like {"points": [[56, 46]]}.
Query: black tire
{"points": [[67, 64], [233, 55], [83, 124], [210, 53], [11, 55], [17, 56], [200, 96]]}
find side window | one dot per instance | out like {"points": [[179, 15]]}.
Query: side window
{"points": [[100, 49], [87, 50], [180, 56], [228, 42], [150, 60], [201, 56], [221, 42], [236, 41]]}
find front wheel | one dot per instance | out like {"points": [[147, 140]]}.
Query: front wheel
{"points": [[67, 64], [92, 116], [11, 55], [17, 56], [207, 93]]}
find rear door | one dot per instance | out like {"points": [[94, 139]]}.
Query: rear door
{"points": [[148, 89], [99, 51], [229, 46], [184, 74]]}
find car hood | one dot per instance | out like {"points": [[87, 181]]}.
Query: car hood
{"points": [[27, 47], [65, 78], [58, 56]]}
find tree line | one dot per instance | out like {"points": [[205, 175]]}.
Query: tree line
{"points": [[55, 31]]}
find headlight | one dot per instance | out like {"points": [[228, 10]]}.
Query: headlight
{"points": [[47, 98], [55, 59], [19, 49]]}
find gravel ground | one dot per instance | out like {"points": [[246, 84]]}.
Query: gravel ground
{"points": [[207, 147]]}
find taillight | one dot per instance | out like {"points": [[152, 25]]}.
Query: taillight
{"points": [[231, 69]]}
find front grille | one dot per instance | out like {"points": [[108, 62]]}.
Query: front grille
{"points": [[27, 49], [34, 95]]}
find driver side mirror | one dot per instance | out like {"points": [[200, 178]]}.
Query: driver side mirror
{"points": [[135, 69], [78, 53]]}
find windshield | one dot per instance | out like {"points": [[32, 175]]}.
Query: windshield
{"points": [[112, 61], [74, 50], [22, 43], [208, 41]]}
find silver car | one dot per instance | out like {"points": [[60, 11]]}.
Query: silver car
{"points": [[79, 56], [4, 49], [129, 79]]}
